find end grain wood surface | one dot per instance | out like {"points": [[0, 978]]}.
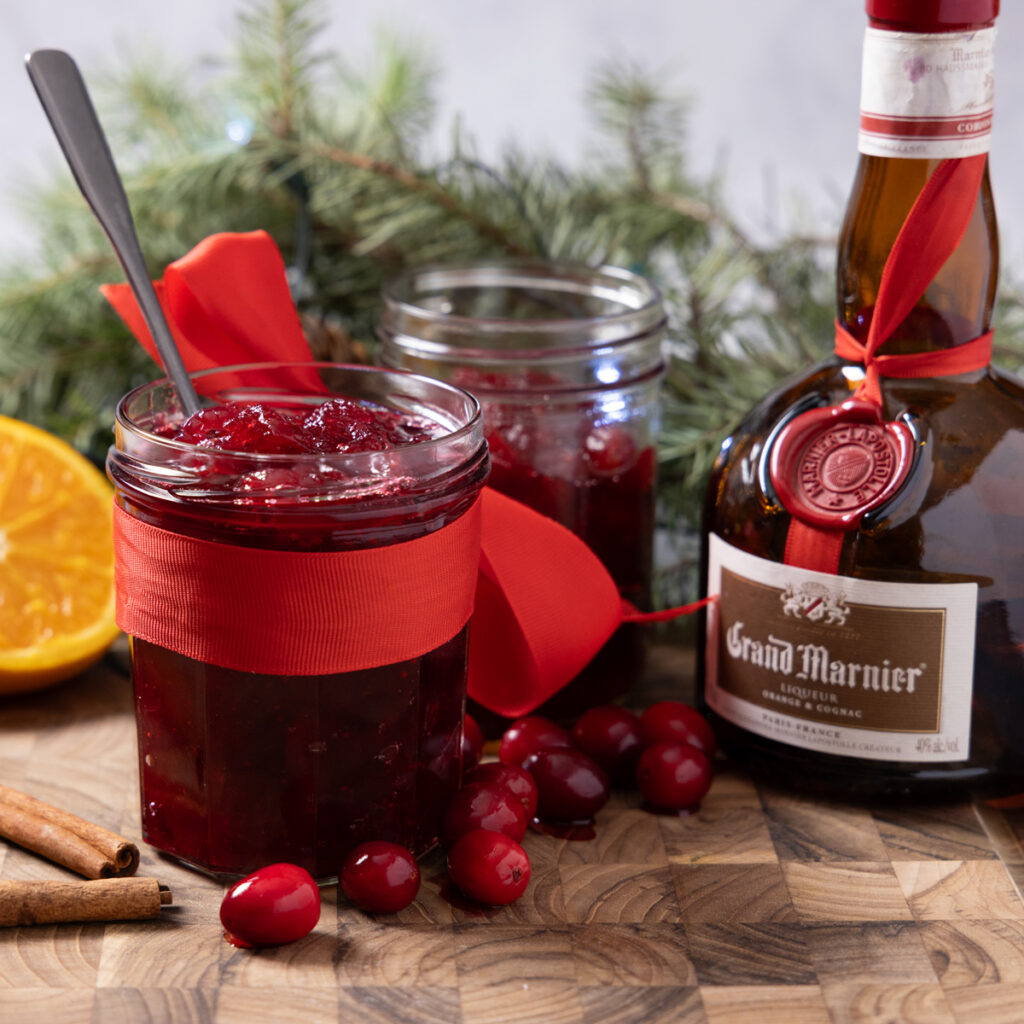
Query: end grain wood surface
{"points": [[764, 907]]}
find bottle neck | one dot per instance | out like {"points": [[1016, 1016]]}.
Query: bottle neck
{"points": [[925, 98]]}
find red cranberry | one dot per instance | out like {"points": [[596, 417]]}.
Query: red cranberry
{"points": [[483, 805], [571, 787], [673, 775], [489, 867], [380, 877], [472, 743], [338, 425], [342, 425], [517, 780], [672, 721], [525, 736], [612, 736], [236, 426], [207, 425], [277, 904]]}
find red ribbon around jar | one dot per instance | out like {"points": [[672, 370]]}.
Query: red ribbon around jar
{"points": [[541, 603]]}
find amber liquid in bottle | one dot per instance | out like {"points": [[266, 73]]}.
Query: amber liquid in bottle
{"points": [[959, 517]]}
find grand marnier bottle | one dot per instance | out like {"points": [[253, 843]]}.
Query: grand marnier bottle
{"points": [[864, 526]]}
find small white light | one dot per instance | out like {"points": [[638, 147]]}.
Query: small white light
{"points": [[608, 374], [239, 130], [613, 408]]}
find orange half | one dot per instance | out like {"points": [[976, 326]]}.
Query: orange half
{"points": [[56, 560]]}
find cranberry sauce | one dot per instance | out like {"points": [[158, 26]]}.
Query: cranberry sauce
{"points": [[566, 362], [599, 483], [598, 480], [337, 425], [241, 769]]}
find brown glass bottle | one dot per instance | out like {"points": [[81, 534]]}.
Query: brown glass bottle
{"points": [[958, 518]]}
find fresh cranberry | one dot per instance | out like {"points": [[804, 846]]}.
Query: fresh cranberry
{"points": [[672, 721], [483, 805], [276, 904], [489, 867], [608, 450], [517, 780], [673, 776], [472, 743], [525, 736], [380, 877], [571, 787], [612, 736]]}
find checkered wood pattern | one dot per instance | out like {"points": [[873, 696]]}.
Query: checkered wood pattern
{"points": [[765, 907]]}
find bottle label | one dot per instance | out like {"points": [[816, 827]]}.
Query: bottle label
{"points": [[927, 96], [844, 666]]}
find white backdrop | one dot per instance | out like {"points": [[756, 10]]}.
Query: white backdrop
{"points": [[774, 85]]}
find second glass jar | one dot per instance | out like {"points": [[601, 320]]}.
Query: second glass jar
{"points": [[566, 362]]}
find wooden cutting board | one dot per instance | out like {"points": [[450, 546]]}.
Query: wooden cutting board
{"points": [[764, 907]]}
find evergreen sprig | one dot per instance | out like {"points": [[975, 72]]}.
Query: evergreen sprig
{"points": [[331, 158]]}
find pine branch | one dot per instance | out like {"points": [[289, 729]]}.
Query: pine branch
{"points": [[426, 188], [278, 61], [328, 157]]}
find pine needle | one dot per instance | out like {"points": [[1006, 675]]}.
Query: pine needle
{"points": [[327, 155]]}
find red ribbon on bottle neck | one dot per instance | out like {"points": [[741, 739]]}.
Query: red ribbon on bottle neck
{"points": [[929, 235], [541, 603]]}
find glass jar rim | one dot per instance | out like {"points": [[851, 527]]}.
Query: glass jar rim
{"points": [[641, 313], [472, 418]]}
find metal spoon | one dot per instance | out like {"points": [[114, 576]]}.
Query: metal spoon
{"points": [[66, 101]]}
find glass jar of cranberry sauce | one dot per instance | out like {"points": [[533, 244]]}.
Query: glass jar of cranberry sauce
{"points": [[566, 362], [240, 769]]}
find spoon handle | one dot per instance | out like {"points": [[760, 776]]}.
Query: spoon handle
{"points": [[66, 101]]}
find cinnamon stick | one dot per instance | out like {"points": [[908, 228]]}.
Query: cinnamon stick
{"points": [[110, 899], [64, 838]]}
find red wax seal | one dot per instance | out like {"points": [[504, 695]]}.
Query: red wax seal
{"points": [[829, 466]]}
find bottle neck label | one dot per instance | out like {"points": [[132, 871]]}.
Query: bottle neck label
{"points": [[852, 667], [927, 96]]}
